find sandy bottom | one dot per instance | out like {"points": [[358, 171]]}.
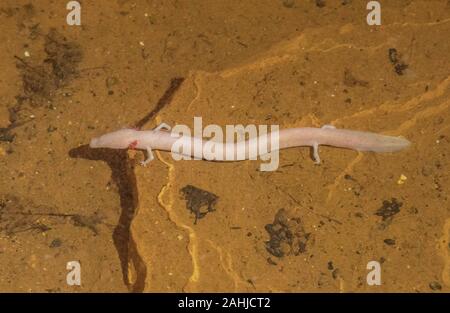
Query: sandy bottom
{"points": [[209, 226]]}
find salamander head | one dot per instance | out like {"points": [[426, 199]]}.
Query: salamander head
{"points": [[120, 139]]}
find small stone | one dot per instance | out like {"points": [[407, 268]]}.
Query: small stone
{"points": [[288, 3], [320, 3], [111, 81], [402, 179], [435, 285], [51, 129], [330, 266], [56, 243], [389, 242]]}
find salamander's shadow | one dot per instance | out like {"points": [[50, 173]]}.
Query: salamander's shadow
{"points": [[122, 174]]}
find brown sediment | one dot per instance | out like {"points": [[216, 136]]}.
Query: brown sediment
{"points": [[289, 63]]}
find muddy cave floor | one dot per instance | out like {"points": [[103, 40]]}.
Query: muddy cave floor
{"points": [[206, 226]]}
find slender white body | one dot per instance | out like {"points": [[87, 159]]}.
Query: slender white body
{"points": [[292, 137]]}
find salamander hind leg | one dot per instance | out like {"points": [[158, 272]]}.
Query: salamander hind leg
{"points": [[149, 158], [316, 156]]}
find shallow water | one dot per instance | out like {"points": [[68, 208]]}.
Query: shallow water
{"points": [[304, 227]]}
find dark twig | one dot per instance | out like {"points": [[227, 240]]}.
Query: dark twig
{"points": [[175, 83]]}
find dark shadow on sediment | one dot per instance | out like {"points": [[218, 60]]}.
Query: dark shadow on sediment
{"points": [[122, 174]]}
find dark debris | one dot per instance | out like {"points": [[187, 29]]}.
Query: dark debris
{"points": [[40, 80], [287, 235], [389, 209], [351, 81], [399, 65], [320, 3], [199, 201]]}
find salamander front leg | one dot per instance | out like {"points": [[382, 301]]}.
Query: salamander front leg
{"points": [[316, 153], [162, 126], [149, 158]]}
